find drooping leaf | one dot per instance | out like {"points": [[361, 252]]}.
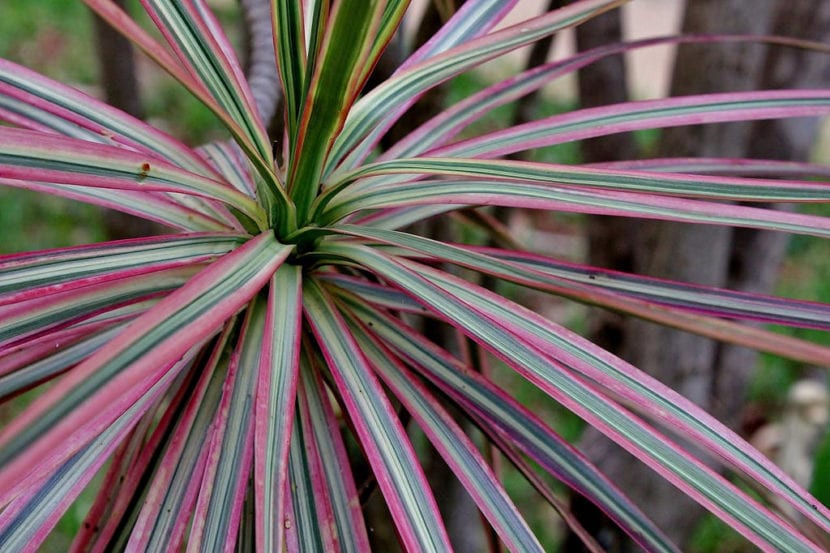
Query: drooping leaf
{"points": [[502, 413], [500, 325], [274, 407], [387, 448]]}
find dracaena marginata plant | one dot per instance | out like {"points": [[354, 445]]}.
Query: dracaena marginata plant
{"points": [[226, 377]]}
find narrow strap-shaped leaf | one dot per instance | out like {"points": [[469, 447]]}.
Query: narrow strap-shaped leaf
{"points": [[384, 440], [486, 402], [645, 114], [45, 368], [524, 267], [230, 162], [719, 302], [316, 15], [444, 126], [167, 508], [108, 382], [497, 324], [303, 529], [50, 104], [199, 42], [581, 286], [218, 510], [111, 517], [456, 448], [274, 407], [346, 515], [29, 318], [693, 186], [146, 205], [32, 351], [396, 218], [339, 74], [30, 155], [536, 196], [471, 20], [390, 22], [29, 519], [364, 127], [270, 189], [120, 20], [290, 45], [722, 166], [380, 295], [658, 401], [30, 270]]}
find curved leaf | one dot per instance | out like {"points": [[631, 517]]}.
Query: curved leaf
{"points": [[645, 114]]}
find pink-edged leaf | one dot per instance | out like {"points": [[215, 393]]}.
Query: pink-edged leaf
{"points": [[379, 295], [29, 319], [340, 70], [500, 415], [274, 407], [586, 178], [645, 114], [201, 46], [381, 434], [146, 205], [230, 162], [32, 351], [119, 494], [27, 521], [395, 218], [33, 156], [271, 191], [345, 516], [722, 166], [22, 372], [446, 125], [370, 117], [288, 21], [456, 448], [218, 510], [34, 274], [96, 392], [42, 103], [539, 350], [442, 193], [167, 509], [305, 498], [718, 302], [471, 20], [664, 302]]}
